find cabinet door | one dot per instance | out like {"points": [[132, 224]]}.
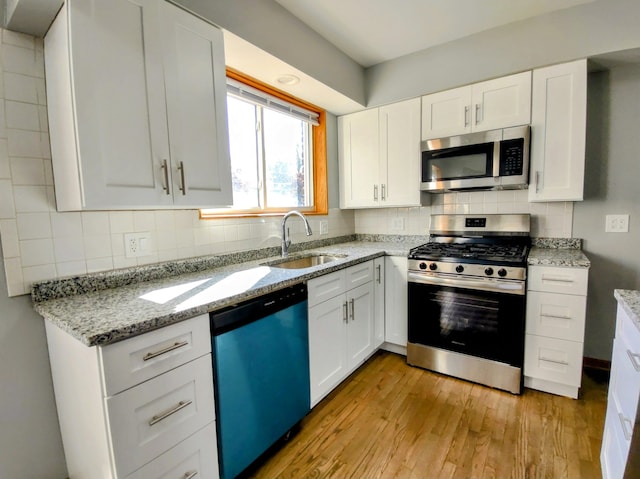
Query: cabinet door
{"points": [[359, 159], [502, 102], [361, 324], [558, 129], [327, 346], [446, 113], [378, 308], [197, 109], [396, 307], [121, 130], [400, 154]]}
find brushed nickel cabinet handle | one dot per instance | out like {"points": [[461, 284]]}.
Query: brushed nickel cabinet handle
{"points": [[379, 273], [165, 172], [383, 192], [190, 475], [345, 314], [555, 361], [635, 360], [352, 307], [623, 423], [478, 119], [182, 186], [537, 180], [161, 417], [556, 279], [554, 316], [375, 192], [155, 354], [466, 116]]}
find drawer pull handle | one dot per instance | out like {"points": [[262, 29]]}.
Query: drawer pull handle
{"points": [[623, 423], [165, 174], [165, 350], [352, 308], [564, 363], [345, 314], [635, 360], [160, 417], [556, 279], [379, 274], [556, 316], [190, 475]]}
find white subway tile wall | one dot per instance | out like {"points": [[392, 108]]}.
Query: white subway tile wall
{"points": [[38, 243], [547, 219]]}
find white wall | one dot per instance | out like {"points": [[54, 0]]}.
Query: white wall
{"points": [[612, 186]]}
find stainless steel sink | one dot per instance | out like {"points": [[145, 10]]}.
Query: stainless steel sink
{"points": [[305, 261]]}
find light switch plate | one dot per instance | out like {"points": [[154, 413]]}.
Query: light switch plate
{"points": [[617, 224], [397, 223], [324, 227]]}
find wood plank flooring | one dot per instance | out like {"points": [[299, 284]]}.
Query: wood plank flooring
{"points": [[390, 420]]}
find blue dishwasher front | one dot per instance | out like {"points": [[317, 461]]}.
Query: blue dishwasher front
{"points": [[261, 374]]}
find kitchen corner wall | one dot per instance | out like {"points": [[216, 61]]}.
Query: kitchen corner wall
{"points": [[547, 219], [39, 243]]}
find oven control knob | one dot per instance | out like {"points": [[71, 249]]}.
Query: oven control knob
{"points": [[502, 272], [433, 266], [459, 268], [422, 266], [488, 271]]}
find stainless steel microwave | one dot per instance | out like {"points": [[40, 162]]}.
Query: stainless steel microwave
{"points": [[492, 160]]}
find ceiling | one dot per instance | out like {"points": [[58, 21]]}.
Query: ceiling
{"points": [[374, 31]]}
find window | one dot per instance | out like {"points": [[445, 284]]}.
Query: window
{"points": [[277, 149]]}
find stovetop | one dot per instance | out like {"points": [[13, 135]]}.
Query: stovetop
{"points": [[472, 252]]}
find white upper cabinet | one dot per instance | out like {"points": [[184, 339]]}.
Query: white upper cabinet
{"points": [[380, 156], [558, 129], [137, 107], [492, 104]]}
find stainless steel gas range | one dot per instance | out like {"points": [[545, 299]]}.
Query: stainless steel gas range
{"points": [[467, 298]]}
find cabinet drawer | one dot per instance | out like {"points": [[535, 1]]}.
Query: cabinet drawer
{"points": [[195, 457], [137, 359], [624, 383], [151, 418], [553, 359], [613, 456], [358, 275], [558, 280], [325, 287], [553, 315], [626, 329]]}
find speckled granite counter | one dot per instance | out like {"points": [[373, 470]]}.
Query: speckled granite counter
{"points": [[99, 315], [565, 252], [630, 302]]}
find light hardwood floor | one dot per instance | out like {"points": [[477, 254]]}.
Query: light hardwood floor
{"points": [[390, 420]]}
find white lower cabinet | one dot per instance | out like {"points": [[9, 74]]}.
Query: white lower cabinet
{"points": [[556, 309], [142, 407], [623, 398], [341, 326], [395, 304]]}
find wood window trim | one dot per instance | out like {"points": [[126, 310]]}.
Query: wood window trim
{"points": [[319, 140]]}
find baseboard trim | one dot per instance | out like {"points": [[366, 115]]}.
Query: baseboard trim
{"points": [[599, 364]]}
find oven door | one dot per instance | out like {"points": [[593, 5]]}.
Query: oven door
{"points": [[475, 317]]}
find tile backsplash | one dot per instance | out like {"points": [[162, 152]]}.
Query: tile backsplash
{"points": [[547, 219], [39, 243]]}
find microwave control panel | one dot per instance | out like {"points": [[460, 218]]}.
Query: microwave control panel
{"points": [[511, 157]]}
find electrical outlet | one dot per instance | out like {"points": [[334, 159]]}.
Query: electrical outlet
{"points": [[324, 227], [617, 224], [137, 244]]}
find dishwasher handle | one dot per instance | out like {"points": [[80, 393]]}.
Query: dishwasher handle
{"points": [[238, 315]]}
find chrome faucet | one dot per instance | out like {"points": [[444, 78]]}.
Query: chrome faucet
{"points": [[286, 242]]}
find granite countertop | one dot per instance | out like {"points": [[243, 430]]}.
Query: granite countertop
{"points": [[110, 314], [630, 302], [565, 252]]}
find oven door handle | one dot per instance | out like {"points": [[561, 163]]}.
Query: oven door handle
{"points": [[482, 285]]}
